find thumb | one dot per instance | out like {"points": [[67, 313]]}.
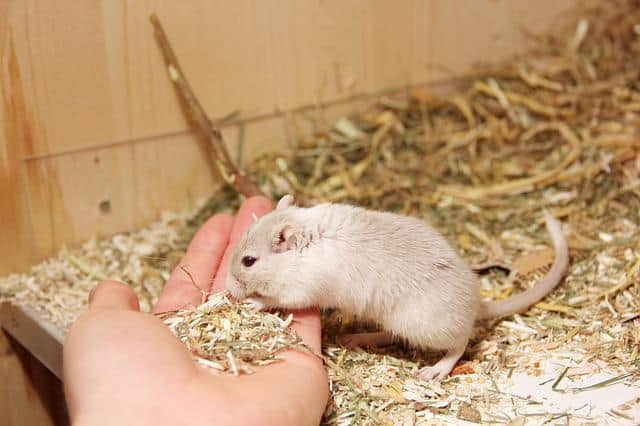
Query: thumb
{"points": [[113, 295]]}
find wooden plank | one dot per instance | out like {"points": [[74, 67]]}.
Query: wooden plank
{"points": [[29, 393], [97, 192], [41, 338], [16, 142], [462, 33]]}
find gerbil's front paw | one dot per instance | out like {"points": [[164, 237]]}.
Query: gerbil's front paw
{"points": [[254, 304]]}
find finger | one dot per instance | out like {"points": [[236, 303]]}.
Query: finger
{"points": [[257, 206], [194, 275], [295, 392], [113, 295], [306, 324], [301, 380]]}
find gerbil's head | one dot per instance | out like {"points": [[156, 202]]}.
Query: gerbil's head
{"points": [[262, 264]]}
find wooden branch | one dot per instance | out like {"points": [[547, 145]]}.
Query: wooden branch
{"points": [[211, 141]]}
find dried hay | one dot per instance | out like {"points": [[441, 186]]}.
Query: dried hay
{"points": [[556, 129]]}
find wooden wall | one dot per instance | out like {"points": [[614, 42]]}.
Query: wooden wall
{"points": [[89, 118]]}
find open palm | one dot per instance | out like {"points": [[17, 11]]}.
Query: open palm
{"points": [[122, 366]]}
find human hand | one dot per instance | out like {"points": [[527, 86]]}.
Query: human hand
{"points": [[122, 366]]}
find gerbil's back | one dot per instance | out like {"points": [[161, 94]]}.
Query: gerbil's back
{"points": [[400, 240], [397, 264]]}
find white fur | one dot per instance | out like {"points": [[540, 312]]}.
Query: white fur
{"points": [[390, 269]]}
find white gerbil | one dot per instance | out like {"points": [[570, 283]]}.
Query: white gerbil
{"points": [[390, 269]]}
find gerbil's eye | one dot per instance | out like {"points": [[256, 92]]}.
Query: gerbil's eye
{"points": [[248, 261]]}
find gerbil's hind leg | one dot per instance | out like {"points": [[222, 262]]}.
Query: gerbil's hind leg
{"points": [[359, 340], [442, 368]]}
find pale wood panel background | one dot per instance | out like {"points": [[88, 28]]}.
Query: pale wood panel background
{"points": [[88, 113]]}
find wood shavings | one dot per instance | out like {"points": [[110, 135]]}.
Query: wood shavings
{"points": [[59, 287], [231, 337], [469, 413]]}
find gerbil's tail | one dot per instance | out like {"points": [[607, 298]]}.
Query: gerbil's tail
{"points": [[520, 302]]}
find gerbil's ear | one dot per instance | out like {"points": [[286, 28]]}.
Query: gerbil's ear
{"points": [[286, 201], [285, 238]]}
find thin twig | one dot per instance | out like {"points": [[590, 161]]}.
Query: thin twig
{"points": [[212, 143]]}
